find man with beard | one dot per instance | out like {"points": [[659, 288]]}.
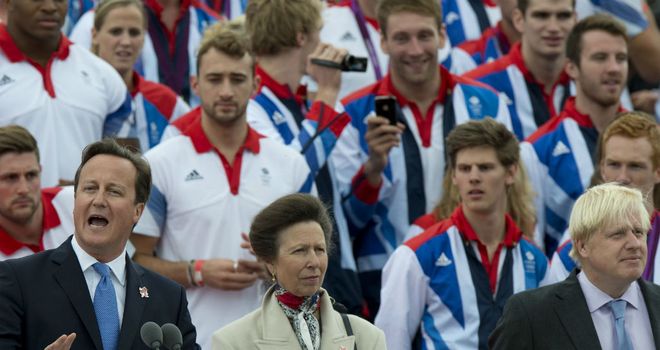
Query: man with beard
{"points": [[391, 174], [559, 156], [208, 184], [31, 219]]}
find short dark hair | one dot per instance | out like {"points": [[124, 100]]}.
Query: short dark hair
{"points": [[282, 214], [17, 139], [599, 22], [225, 38], [111, 147], [523, 5], [386, 8]]}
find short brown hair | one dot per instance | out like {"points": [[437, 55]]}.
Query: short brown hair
{"points": [[273, 25], [523, 5], [282, 214], [598, 22], [486, 132], [16, 139], [386, 8], [111, 147], [489, 133], [228, 39]]}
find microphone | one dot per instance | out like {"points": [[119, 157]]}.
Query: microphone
{"points": [[172, 338], [151, 335]]}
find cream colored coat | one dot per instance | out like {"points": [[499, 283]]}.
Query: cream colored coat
{"points": [[267, 328]]}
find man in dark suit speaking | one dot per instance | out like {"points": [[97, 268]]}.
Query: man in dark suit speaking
{"points": [[606, 304], [87, 294]]}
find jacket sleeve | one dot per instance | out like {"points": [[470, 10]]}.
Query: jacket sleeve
{"points": [[11, 309], [404, 293], [513, 330], [184, 323]]}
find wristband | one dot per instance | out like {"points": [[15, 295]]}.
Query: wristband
{"points": [[190, 275], [197, 276]]}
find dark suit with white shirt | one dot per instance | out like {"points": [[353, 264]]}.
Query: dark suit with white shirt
{"points": [[45, 295], [557, 317]]}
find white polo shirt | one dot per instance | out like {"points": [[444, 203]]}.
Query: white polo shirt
{"points": [[57, 225], [73, 101], [200, 205]]}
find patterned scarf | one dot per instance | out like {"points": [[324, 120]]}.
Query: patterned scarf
{"points": [[300, 311]]}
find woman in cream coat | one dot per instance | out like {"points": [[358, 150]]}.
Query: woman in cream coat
{"points": [[290, 236]]}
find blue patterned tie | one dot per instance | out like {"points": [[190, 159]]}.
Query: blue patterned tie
{"points": [[105, 306], [619, 312]]}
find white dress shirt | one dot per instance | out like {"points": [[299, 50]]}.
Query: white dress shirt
{"points": [[92, 278]]}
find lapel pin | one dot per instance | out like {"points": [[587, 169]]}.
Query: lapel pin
{"points": [[144, 292]]}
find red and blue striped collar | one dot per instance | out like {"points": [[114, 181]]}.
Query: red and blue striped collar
{"points": [[516, 57], [512, 234], [447, 83], [282, 91]]}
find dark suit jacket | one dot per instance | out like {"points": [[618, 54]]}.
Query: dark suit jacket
{"points": [[45, 295], [557, 317]]}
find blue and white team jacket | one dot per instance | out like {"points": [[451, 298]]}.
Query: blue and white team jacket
{"points": [[230, 9], [562, 263], [273, 116], [466, 20], [438, 281], [154, 106], [490, 46], [76, 10], [276, 113], [559, 159], [629, 12], [170, 58], [412, 182], [529, 105]]}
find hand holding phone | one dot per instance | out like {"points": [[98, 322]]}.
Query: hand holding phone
{"points": [[385, 106]]}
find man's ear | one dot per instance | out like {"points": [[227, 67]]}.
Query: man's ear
{"points": [[139, 208], [581, 248], [518, 19], [511, 173], [256, 81], [301, 39], [572, 69], [194, 84]]}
